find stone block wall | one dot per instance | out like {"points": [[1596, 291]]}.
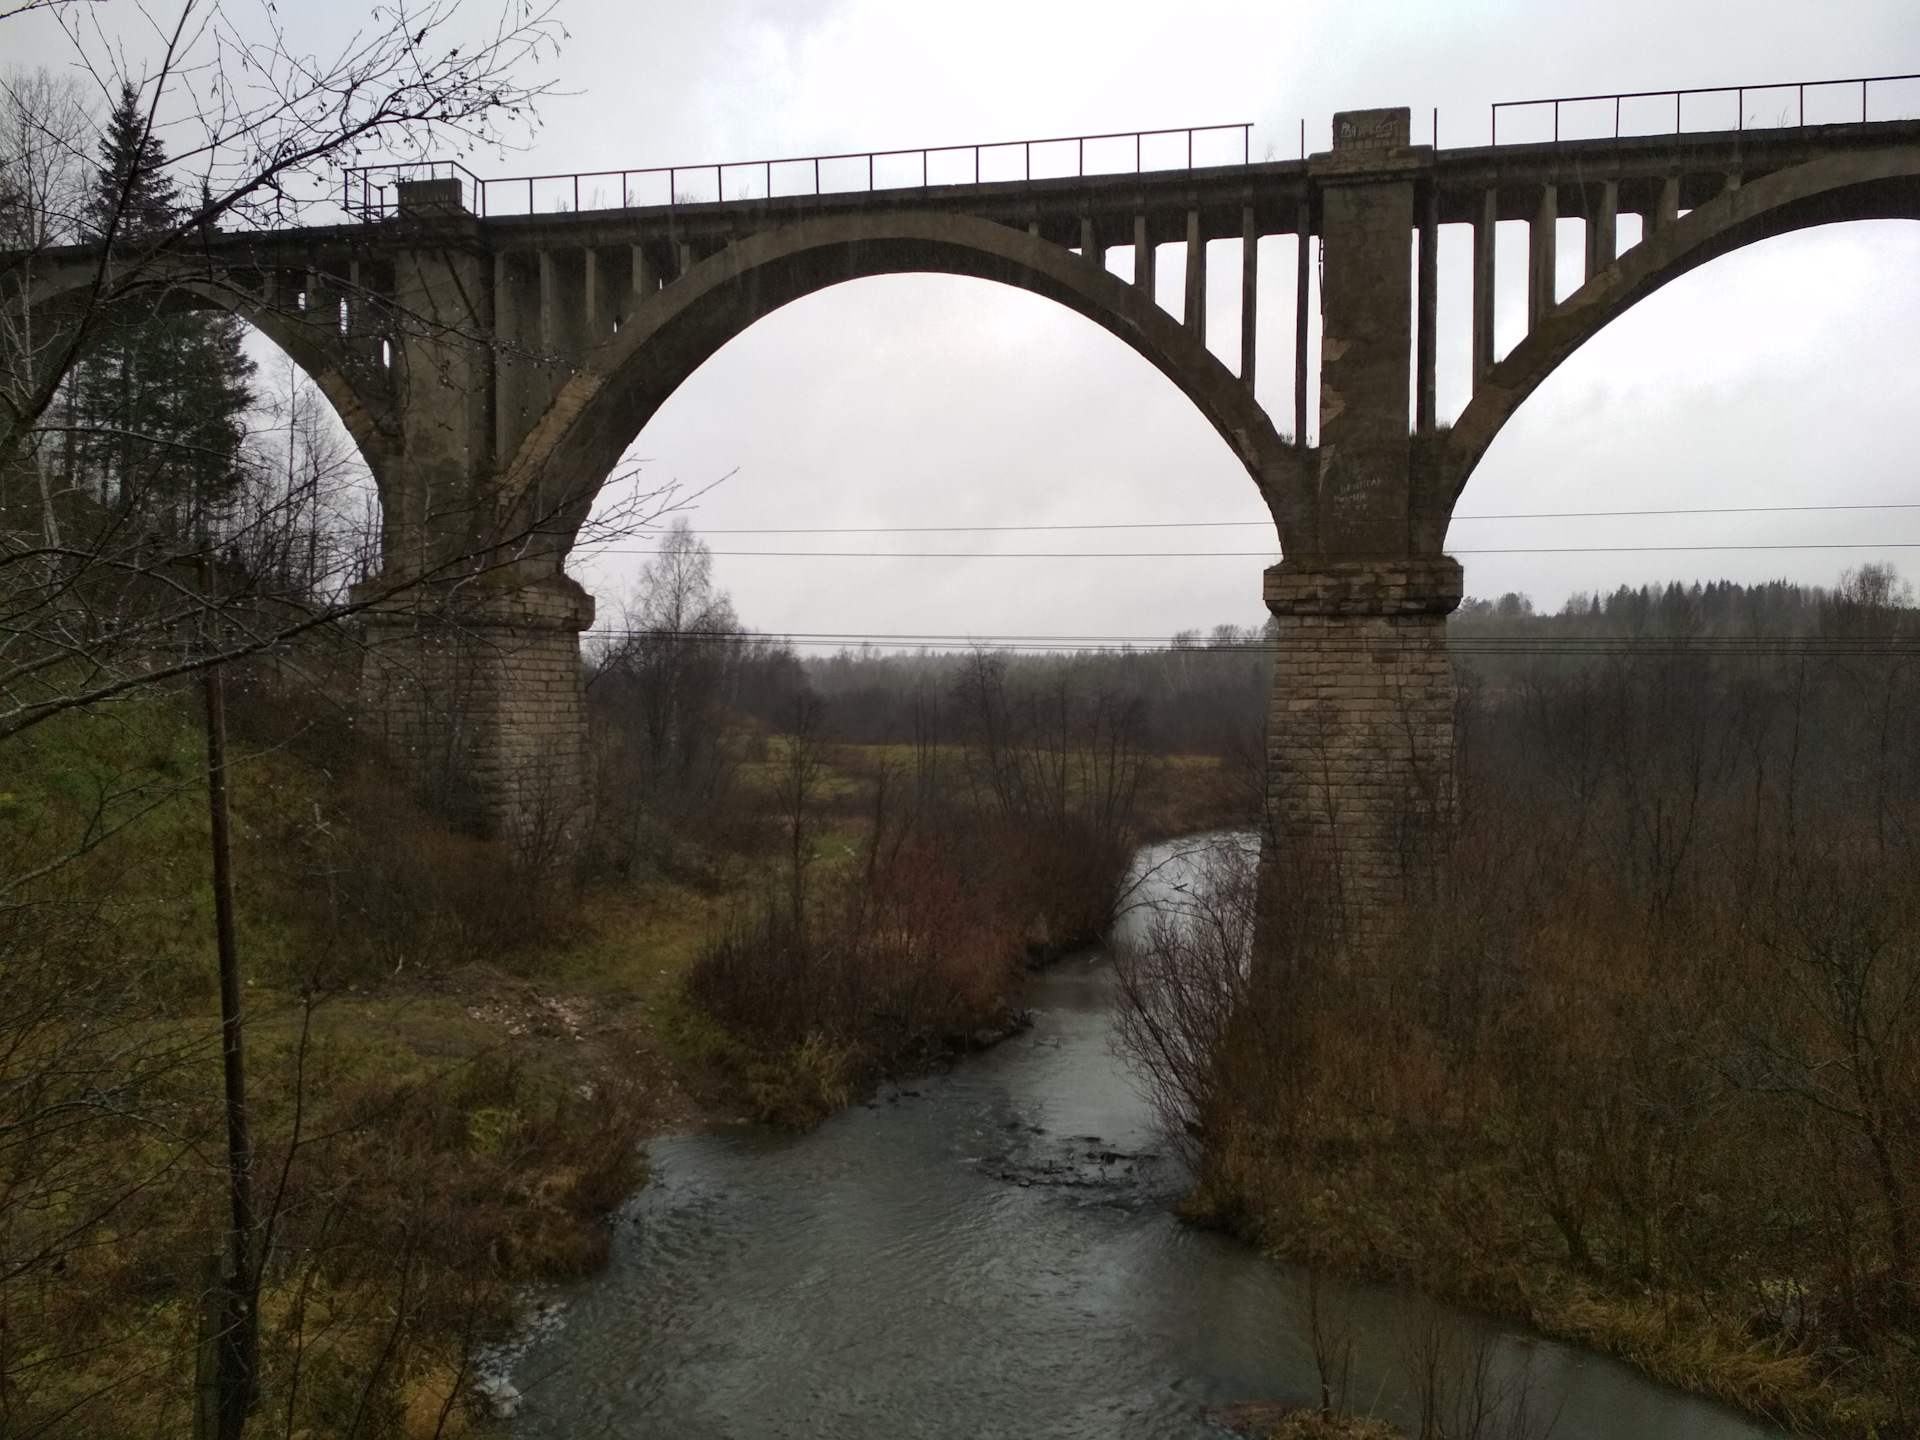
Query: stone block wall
{"points": [[1360, 744], [477, 696]]}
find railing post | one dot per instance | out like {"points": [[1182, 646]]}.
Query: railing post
{"points": [[1740, 110], [1026, 160], [869, 172]]}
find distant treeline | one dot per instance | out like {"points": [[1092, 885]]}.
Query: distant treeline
{"points": [[1207, 694], [1200, 697]]}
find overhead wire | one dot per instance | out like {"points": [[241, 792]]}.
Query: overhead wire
{"points": [[1267, 524], [1270, 554], [1458, 643]]}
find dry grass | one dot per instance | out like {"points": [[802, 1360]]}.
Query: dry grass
{"points": [[1267, 1420], [1643, 1070]]}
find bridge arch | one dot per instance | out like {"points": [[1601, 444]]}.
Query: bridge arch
{"points": [[1876, 185], [175, 286], [670, 334]]}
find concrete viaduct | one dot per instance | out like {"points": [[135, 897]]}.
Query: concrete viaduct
{"points": [[494, 369]]}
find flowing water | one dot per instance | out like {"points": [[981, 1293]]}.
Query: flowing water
{"points": [[991, 1252]]}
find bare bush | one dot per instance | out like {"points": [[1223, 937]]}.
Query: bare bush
{"points": [[1184, 980]]}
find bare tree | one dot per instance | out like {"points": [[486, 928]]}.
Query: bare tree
{"points": [[1183, 983], [96, 603]]}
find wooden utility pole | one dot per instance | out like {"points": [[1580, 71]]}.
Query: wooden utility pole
{"points": [[236, 1368]]}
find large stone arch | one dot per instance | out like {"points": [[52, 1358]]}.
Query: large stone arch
{"points": [[1874, 185], [603, 406]]}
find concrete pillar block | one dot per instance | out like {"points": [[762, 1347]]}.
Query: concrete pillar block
{"points": [[1361, 744]]}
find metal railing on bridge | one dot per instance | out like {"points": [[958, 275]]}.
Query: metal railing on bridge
{"points": [[1713, 107], [370, 192]]}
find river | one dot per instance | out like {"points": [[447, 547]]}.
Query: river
{"points": [[989, 1252]]}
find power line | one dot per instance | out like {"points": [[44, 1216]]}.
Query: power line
{"points": [[1268, 524], [1468, 644], [1268, 555]]}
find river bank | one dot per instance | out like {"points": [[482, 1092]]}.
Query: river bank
{"points": [[992, 1249]]}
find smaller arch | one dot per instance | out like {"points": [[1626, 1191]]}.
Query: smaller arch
{"points": [[601, 408], [70, 285], [1877, 185]]}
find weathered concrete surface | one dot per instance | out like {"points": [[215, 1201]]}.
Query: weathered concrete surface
{"points": [[492, 371]]}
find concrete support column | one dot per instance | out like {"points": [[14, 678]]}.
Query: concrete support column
{"points": [[1142, 257], [645, 279], [1360, 739], [1666, 209], [1542, 259], [548, 300], [1603, 243], [1196, 299], [1302, 316], [1090, 247], [1485, 236], [1426, 330], [1367, 305], [474, 690], [1249, 292]]}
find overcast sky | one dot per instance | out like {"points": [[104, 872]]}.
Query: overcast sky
{"points": [[1787, 374]]}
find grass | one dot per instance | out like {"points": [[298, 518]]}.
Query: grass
{"points": [[1379, 1211], [467, 1067], [462, 1124]]}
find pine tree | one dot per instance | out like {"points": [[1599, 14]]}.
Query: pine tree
{"points": [[158, 406], [133, 197]]}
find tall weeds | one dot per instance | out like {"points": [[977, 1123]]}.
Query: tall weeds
{"points": [[960, 866]]}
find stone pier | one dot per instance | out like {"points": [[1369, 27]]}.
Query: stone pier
{"points": [[1360, 736], [1360, 741], [475, 693]]}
